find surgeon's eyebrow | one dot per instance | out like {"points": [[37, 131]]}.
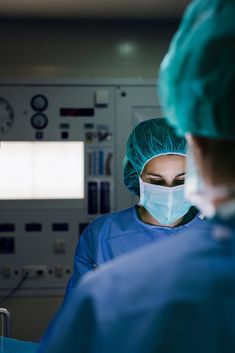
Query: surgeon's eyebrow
{"points": [[181, 174], [161, 176], [153, 174]]}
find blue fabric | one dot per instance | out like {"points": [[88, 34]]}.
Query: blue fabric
{"points": [[175, 296], [10, 345], [115, 234]]}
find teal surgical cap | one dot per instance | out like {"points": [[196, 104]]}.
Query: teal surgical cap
{"points": [[149, 139], [197, 76]]}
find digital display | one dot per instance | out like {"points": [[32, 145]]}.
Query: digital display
{"points": [[77, 112]]}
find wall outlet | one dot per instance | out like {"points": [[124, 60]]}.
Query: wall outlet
{"points": [[35, 271]]}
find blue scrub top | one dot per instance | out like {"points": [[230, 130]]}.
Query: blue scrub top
{"points": [[113, 235], [175, 296]]}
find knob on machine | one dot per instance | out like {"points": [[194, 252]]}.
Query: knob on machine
{"points": [[39, 103]]}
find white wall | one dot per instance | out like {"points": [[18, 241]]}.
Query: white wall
{"points": [[82, 51]]}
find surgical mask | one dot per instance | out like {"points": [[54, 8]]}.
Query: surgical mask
{"points": [[166, 204], [200, 195]]}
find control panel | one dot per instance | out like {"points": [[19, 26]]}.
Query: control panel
{"points": [[61, 151]]}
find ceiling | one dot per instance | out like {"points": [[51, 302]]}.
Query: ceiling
{"points": [[94, 9]]}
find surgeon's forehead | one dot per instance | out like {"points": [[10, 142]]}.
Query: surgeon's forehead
{"points": [[166, 165]]}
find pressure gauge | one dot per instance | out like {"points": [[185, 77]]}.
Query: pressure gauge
{"points": [[6, 116], [39, 103], [39, 121]]}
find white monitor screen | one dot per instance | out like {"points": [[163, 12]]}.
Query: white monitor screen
{"points": [[41, 170]]}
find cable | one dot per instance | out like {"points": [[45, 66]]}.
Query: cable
{"points": [[9, 295]]}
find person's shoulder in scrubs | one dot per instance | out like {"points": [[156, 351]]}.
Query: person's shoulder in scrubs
{"points": [[167, 297]]}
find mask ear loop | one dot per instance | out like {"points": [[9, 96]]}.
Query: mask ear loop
{"points": [[141, 186]]}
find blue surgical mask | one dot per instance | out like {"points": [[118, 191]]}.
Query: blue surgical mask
{"points": [[166, 204]]}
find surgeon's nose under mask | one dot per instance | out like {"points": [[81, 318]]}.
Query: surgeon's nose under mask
{"points": [[166, 204]]}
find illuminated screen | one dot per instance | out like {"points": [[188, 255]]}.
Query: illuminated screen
{"points": [[41, 170]]}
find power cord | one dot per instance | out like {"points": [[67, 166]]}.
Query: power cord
{"points": [[14, 290]]}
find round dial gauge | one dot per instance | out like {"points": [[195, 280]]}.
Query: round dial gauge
{"points": [[6, 115], [39, 103], [39, 121]]}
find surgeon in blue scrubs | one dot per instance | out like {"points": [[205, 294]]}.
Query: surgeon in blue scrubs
{"points": [[178, 295], [154, 170]]}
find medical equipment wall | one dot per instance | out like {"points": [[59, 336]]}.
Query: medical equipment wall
{"points": [[62, 145]]}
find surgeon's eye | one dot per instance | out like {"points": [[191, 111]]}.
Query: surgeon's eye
{"points": [[161, 182], [178, 182]]}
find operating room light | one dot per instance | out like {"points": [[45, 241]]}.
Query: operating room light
{"points": [[127, 48], [42, 170]]}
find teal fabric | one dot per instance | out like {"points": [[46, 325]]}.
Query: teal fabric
{"points": [[197, 76], [10, 345], [148, 139]]}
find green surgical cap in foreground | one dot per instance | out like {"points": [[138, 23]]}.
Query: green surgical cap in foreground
{"points": [[149, 139], [197, 76]]}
